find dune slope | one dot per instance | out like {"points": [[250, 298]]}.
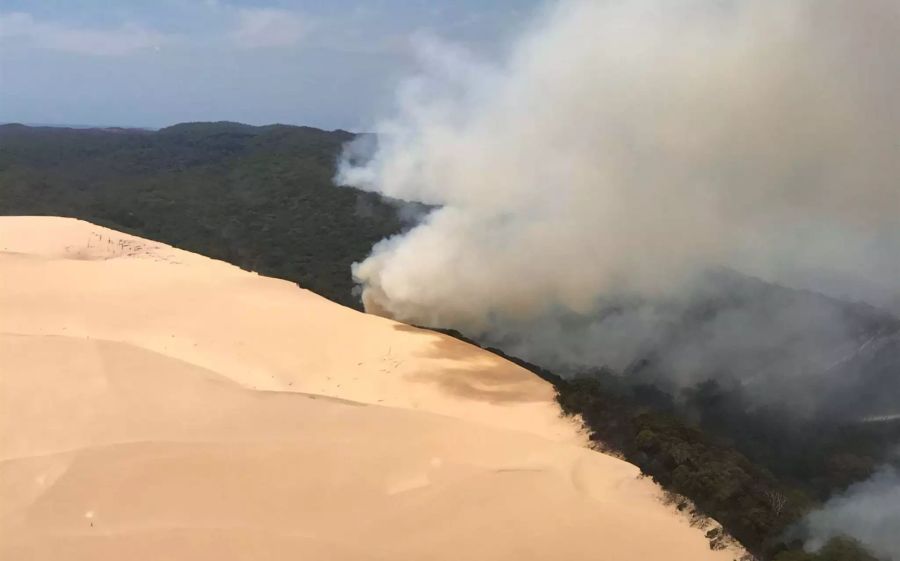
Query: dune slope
{"points": [[158, 404]]}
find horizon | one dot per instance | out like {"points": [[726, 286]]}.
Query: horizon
{"points": [[140, 65], [86, 126]]}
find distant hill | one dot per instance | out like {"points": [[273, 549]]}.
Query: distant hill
{"points": [[259, 197]]}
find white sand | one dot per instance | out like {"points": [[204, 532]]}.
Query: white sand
{"points": [[156, 404]]}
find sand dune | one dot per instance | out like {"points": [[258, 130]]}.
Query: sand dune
{"points": [[157, 404]]}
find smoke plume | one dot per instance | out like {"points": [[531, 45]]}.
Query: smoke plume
{"points": [[621, 152], [595, 194], [870, 511], [625, 145]]}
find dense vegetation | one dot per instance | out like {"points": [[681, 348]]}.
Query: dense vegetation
{"points": [[757, 471], [704, 468], [693, 460], [259, 197], [756, 467], [263, 198]]}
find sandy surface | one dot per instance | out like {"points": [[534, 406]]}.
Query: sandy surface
{"points": [[156, 404]]}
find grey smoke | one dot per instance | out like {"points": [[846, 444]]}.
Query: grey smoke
{"points": [[625, 145], [869, 511], [625, 149]]}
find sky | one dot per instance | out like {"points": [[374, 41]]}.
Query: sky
{"points": [[325, 63]]}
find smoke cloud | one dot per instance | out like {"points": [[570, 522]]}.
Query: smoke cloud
{"points": [[625, 145], [870, 511], [621, 152]]}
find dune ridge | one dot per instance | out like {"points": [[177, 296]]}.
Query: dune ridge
{"points": [[158, 404]]}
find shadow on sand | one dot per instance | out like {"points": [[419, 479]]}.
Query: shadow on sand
{"points": [[479, 375]]}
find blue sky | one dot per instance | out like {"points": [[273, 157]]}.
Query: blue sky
{"points": [[326, 63]]}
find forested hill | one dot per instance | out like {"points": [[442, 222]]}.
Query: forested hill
{"points": [[259, 197]]}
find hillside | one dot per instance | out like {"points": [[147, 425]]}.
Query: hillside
{"points": [[156, 403]]}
